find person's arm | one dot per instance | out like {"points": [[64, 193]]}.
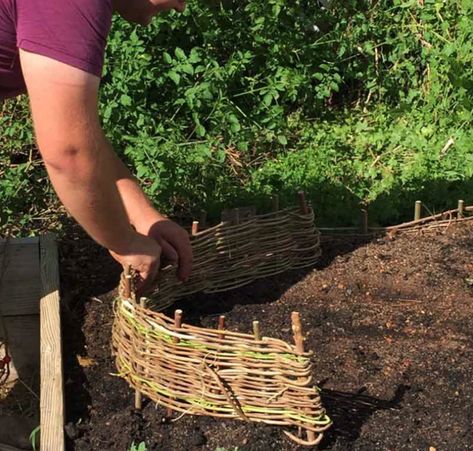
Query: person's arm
{"points": [[75, 151], [173, 239]]}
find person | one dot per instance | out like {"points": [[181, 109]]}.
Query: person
{"points": [[54, 51]]}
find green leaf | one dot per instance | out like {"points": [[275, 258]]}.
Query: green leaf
{"points": [[267, 99], [175, 77], [200, 130], [180, 55], [221, 156], [233, 119], [125, 100], [235, 127], [187, 68], [282, 139], [243, 145], [194, 56], [167, 58]]}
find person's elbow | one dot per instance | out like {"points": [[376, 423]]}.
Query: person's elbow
{"points": [[74, 161]]}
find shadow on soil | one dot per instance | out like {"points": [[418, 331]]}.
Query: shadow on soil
{"points": [[349, 411], [86, 271]]}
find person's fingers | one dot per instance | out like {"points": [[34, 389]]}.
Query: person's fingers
{"points": [[184, 250], [146, 278], [169, 254], [180, 6]]}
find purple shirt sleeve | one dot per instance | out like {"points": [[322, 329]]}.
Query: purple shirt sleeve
{"points": [[73, 32]]}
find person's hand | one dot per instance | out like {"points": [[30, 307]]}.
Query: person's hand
{"points": [[172, 238], [167, 5], [143, 11], [143, 255]]}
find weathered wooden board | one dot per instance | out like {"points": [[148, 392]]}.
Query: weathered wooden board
{"points": [[29, 302], [20, 286], [52, 388]]}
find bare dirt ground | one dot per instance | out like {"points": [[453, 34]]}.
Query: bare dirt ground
{"points": [[390, 323]]}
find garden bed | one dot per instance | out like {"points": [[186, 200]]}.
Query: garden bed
{"points": [[390, 323]]}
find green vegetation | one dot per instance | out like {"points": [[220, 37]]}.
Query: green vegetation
{"points": [[140, 447], [34, 438], [359, 103]]}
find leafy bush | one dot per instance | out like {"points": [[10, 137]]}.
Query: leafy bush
{"points": [[356, 101]]}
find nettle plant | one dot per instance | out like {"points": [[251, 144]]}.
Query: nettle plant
{"points": [[206, 101], [231, 101]]}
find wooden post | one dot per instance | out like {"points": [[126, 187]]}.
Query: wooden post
{"points": [[52, 390], [303, 203], [127, 291], [461, 209], [237, 216], [177, 325], [221, 325], [275, 202], [195, 228], [256, 331], [138, 395], [203, 219], [417, 210], [299, 342], [364, 221]]}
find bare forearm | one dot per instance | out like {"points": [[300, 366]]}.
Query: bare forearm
{"points": [[137, 205]]}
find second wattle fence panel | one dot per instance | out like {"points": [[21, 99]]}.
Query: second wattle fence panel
{"points": [[229, 256]]}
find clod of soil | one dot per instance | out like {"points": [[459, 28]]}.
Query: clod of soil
{"points": [[390, 323]]}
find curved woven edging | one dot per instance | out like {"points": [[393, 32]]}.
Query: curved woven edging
{"points": [[229, 256], [216, 372]]}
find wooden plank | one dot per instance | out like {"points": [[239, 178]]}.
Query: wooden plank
{"points": [[20, 284], [52, 389], [24, 240]]}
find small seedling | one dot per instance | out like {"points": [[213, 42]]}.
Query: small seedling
{"points": [[34, 437], [140, 447]]}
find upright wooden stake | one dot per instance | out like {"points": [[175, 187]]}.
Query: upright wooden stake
{"points": [[364, 221], [297, 331], [256, 331], [221, 325], [461, 209], [237, 216], [203, 219], [177, 325], [195, 228], [299, 342], [303, 203], [275, 202], [417, 210], [138, 396], [127, 290]]}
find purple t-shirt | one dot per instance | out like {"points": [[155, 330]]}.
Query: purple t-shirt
{"points": [[71, 31]]}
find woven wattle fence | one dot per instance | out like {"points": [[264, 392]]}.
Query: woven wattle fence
{"points": [[216, 372], [231, 255]]}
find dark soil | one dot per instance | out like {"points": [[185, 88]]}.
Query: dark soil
{"points": [[390, 323]]}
